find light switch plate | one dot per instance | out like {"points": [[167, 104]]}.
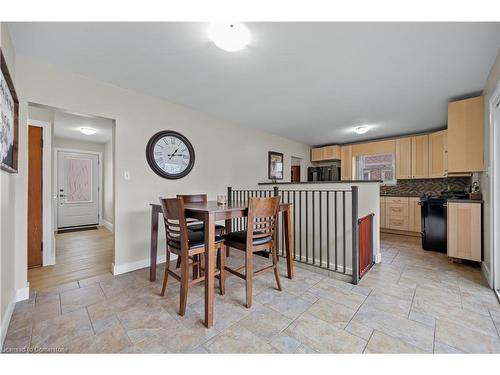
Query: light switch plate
{"points": [[126, 175]]}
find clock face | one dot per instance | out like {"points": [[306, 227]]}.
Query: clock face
{"points": [[170, 154]]}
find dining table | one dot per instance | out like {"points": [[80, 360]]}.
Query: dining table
{"points": [[209, 213]]}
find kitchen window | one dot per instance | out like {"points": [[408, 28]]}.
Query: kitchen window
{"points": [[376, 167]]}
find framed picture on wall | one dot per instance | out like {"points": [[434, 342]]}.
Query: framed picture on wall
{"points": [[9, 120], [275, 166]]}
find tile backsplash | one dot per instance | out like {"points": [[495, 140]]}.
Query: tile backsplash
{"points": [[426, 186]]}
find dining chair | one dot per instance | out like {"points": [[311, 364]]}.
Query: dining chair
{"points": [[259, 235], [198, 226], [188, 246]]}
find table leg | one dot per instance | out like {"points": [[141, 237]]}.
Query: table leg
{"points": [[288, 241], [209, 268], [154, 244], [229, 229]]}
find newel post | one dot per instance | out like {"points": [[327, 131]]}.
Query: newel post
{"points": [[355, 245]]}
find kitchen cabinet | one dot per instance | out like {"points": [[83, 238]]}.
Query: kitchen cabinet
{"points": [[317, 154], [382, 213], [438, 154], [403, 158], [420, 156], [415, 216], [465, 135], [331, 152], [464, 230], [325, 153], [396, 209], [400, 214], [346, 163]]}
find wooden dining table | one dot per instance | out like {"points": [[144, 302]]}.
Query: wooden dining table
{"points": [[210, 212]]}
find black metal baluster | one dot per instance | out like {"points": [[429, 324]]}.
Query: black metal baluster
{"points": [[336, 237], [320, 230], [307, 226], [300, 225], [343, 226], [327, 229]]}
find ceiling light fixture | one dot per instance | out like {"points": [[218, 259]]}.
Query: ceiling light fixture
{"points": [[88, 131], [361, 129], [229, 36]]}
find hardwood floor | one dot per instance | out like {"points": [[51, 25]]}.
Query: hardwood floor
{"points": [[79, 255]]}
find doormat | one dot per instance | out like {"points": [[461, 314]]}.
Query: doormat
{"points": [[68, 230]]}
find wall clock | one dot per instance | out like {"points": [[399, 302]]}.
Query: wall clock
{"points": [[170, 154]]}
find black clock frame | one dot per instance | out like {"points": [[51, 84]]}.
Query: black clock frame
{"points": [[150, 154]]}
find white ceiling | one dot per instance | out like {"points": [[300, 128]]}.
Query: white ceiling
{"points": [[67, 125], [312, 82]]}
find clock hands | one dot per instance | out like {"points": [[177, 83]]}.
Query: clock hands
{"points": [[174, 154]]}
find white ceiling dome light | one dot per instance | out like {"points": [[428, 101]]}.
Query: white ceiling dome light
{"points": [[361, 129], [88, 131], [230, 37]]}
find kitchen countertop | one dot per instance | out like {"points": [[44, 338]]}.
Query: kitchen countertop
{"points": [[465, 200], [400, 195]]}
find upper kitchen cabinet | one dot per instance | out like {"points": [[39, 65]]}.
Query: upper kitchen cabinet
{"points": [[403, 158], [420, 156], [325, 153], [465, 135], [346, 163], [317, 154], [331, 152], [438, 154]]}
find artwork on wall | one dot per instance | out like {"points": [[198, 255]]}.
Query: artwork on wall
{"points": [[275, 166], [9, 120]]}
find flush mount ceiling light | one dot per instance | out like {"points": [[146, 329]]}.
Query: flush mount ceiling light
{"points": [[229, 36], [361, 129], [88, 131]]}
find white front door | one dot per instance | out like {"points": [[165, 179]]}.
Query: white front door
{"points": [[77, 189]]}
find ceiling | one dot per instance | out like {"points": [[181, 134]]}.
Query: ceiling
{"points": [[311, 82], [67, 125]]}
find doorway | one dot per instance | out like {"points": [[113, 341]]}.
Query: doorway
{"points": [[77, 189], [35, 196], [78, 177], [295, 171]]}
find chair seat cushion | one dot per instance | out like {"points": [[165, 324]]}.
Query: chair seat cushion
{"points": [[241, 237], [200, 227], [195, 239]]}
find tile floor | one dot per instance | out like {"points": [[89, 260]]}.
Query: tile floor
{"points": [[412, 302]]}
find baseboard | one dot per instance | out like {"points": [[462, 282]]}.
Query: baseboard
{"points": [[6, 320], [487, 274], [106, 224], [143, 263], [23, 293]]}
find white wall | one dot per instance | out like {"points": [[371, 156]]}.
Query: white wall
{"points": [[8, 185], [491, 84], [226, 154]]}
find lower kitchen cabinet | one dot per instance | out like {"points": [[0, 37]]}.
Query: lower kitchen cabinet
{"points": [[415, 215], [464, 231], [400, 214]]}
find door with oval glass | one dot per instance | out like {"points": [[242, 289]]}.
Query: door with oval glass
{"points": [[77, 189]]}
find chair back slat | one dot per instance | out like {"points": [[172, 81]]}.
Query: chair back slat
{"points": [[193, 198], [175, 221], [262, 217]]}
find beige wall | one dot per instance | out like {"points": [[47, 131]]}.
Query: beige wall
{"points": [[491, 84], [226, 154], [74, 144], [8, 211], [108, 209]]}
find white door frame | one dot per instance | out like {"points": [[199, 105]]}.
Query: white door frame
{"points": [[495, 184], [48, 256], [99, 163]]}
